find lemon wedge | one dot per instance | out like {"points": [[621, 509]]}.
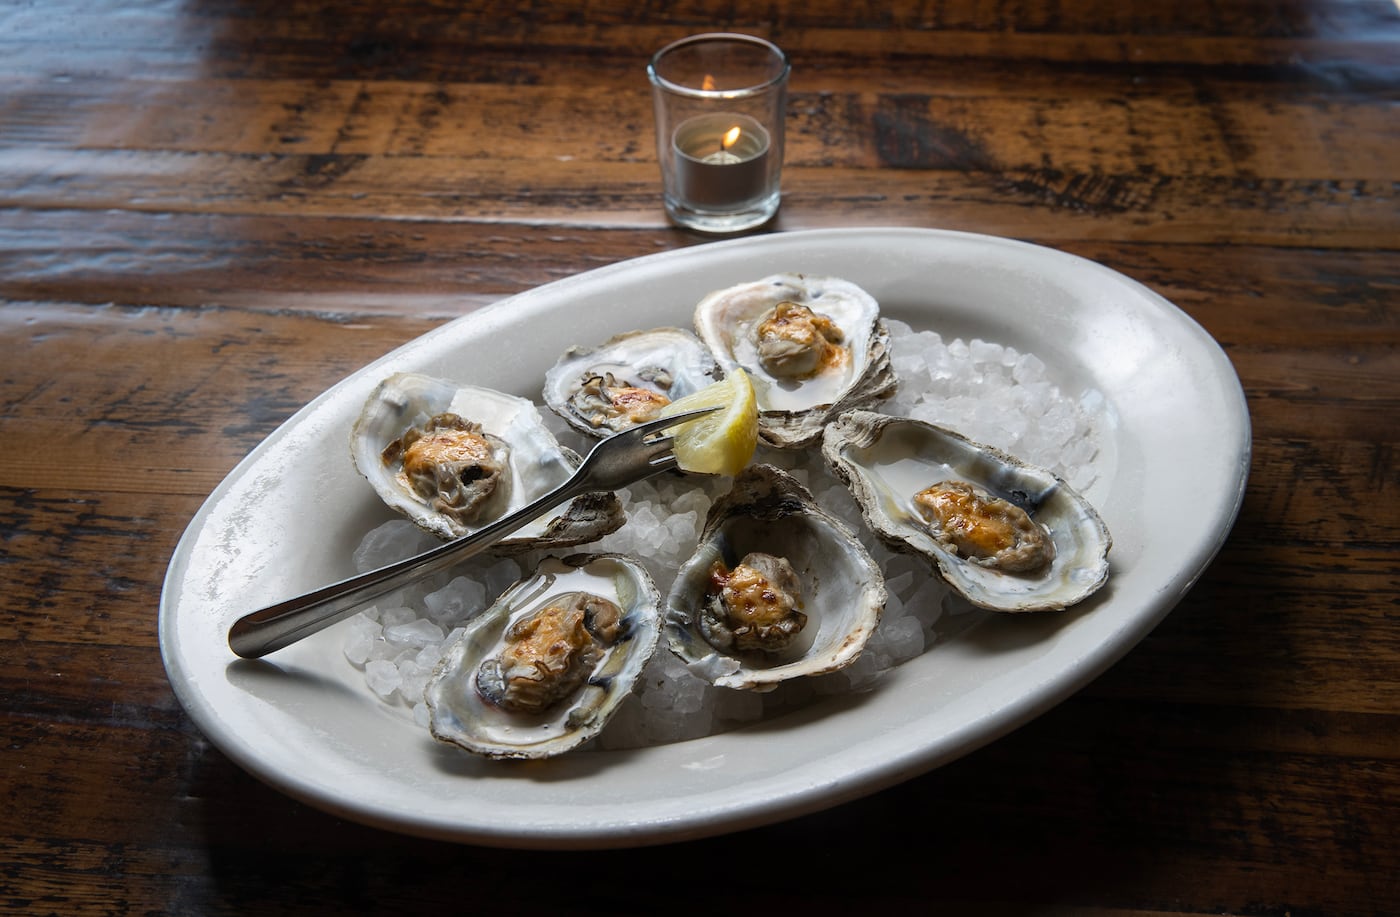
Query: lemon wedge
{"points": [[721, 442]]}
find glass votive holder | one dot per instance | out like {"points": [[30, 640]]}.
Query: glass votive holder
{"points": [[720, 100]]}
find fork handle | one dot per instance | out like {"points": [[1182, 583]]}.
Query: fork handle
{"points": [[271, 628], [610, 464]]}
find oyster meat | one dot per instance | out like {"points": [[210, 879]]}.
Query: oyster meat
{"points": [[777, 588], [1006, 535], [543, 669], [983, 528], [546, 655], [453, 465], [813, 346], [754, 607], [627, 380], [455, 457]]}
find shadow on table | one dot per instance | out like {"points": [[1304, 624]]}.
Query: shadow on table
{"points": [[1097, 802]]}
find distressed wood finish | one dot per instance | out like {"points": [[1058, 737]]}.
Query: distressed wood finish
{"points": [[210, 211]]}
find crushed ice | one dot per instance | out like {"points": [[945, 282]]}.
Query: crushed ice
{"points": [[989, 392]]}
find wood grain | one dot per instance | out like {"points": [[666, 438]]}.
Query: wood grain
{"points": [[211, 211]]}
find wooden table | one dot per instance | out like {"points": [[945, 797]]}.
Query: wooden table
{"points": [[211, 211]]}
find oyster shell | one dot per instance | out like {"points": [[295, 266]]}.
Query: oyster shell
{"points": [[839, 591], [813, 346], [455, 457], [887, 461], [543, 669], [627, 379]]}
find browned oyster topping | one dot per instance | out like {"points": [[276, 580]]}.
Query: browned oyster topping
{"points": [[754, 606], [605, 402], [550, 653], [451, 464], [796, 343], [987, 530]]}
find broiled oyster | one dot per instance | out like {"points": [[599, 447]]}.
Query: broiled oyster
{"points": [[983, 528], [813, 346], [453, 465], [627, 380], [1006, 535], [543, 669], [546, 655], [454, 457], [777, 588], [756, 606]]}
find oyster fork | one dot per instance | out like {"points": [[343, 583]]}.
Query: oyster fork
{"points": [[623, 458]]}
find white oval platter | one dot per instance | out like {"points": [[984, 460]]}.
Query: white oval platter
{"points": [[287, 518]]}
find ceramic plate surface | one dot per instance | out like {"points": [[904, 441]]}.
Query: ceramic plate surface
{"points": [[288, 517]]}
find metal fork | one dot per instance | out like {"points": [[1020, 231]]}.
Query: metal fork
{"points": [[621, 459]]}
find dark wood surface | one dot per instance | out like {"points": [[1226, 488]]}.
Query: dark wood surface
{"points": [[210, 211]]}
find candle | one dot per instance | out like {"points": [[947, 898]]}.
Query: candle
{"points": [[720, 100], [721, 161]]}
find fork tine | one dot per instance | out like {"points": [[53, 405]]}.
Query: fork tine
{"points": [[645, 431], [657, 438], [655, 443], [639, 451], [664, 462]]}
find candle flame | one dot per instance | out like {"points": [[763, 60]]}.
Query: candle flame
{"points": [[731, 137], [708, 83]]}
